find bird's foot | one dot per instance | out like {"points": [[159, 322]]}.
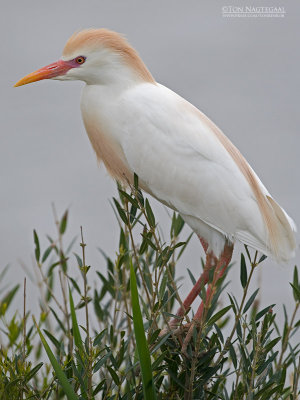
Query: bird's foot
{"points": [[187, 339], [182, 333], [175, 328]]}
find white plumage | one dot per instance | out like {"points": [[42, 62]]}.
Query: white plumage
{"points": [[181, 162], [181, 157]]}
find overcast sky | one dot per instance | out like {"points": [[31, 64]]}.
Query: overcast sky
{"points": [[242, 72]]}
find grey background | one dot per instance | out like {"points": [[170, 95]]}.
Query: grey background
{"points": [[243, 73]]}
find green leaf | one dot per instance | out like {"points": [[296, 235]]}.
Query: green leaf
{"points": [[79, 260], [262, 258], [75, 327], [75, 285], [219, 333], [121, 212], [99, 337], [266, 363], [63, 223], [150, 214], [114, 376], [163, 339], [7, 299], [295, 277], [193, 279], [136, 181], [232, 303], [57, 368], [46, 253], [263, 312], [98, 387], [218, 315], [295, 285], [59, 321], [184, 246], [177, 225], [247, 251], [33, 372], [102, 360], [268, 395], [37, 250], [56, 342], [271, 344], [250, 301], [296, 292], [233, 355], [132, 213], [146, 242], [244, 277], [129, 198], [142, 346]]}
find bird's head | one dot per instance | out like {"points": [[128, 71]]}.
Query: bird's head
{"points": [[95, 56]]}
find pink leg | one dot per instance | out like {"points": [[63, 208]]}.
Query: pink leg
{"points": [[219, 272], [210, 263]]}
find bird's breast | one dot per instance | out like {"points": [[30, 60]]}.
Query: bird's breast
{"points": [[107, 149]]}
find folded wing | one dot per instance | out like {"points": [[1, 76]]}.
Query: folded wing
{"points": [[185, 161]]}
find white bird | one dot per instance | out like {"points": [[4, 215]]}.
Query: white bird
{"points": [[181, 157]]}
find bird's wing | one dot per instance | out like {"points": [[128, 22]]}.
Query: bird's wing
{"points": [[184, 162]]}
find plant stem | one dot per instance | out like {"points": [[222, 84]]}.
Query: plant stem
{"points": [[255, 359], [286, 340], [89, 353], [24, 321], [63, 279], [135, 253], [237, 317], [238, 373], [296, 380]]}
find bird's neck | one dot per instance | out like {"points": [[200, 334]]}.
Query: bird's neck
{"points": [[99, 116]]}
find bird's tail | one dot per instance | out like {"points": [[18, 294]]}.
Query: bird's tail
{"points": [[281, 230]]}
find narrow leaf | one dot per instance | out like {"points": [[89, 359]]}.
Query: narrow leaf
{"points": [[218, 315], [75, 327], [57, 368], [243, 271], [142, 346], [150, 214], [296, 292], [136, 181], [33, 372], [5, 302], [37, 250], [46, 253], [121, 212], [63, 223], [250, 301]]}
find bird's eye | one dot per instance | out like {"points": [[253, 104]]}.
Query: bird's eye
{"points": [[80, 60]]}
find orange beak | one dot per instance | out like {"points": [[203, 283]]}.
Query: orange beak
{"points": [[57, 68]]}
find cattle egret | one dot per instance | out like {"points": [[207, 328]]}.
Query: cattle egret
{"points": [[181, 157]]}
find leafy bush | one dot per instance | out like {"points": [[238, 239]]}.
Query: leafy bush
{"points": [[107, 342]]}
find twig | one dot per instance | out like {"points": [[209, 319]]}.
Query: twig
{"points": [[24, 321], [135, 253], [286, 340], [45, 280], [238, 315], [63, 280], [238, 373], [66, 313], [296, 380], [84, 266], [24, 335]]}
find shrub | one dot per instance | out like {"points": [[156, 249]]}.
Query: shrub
{"points": [[106, 342]]}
